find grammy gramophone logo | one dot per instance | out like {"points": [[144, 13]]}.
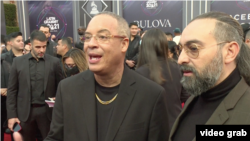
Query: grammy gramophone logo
{"points": [[94, 7]]}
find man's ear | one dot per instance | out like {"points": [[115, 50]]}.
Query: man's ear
{"points": [[125, 43], [231, 52]]}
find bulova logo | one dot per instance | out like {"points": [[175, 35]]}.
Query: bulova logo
{"points": [[151, 4], [155, 23]]}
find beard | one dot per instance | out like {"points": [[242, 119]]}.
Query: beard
{"points": [[205, 80]]}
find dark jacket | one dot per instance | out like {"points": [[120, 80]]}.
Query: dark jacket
{"points": [[133, 49], [139, 112], [8, 57], [51, 48], [174, 90], [19, 95], [233, 110]]}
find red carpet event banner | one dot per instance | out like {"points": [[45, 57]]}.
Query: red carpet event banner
{"points": [[165, 15], [56, 14], [239, 10]]}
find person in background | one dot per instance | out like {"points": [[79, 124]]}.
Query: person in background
{"points": [[74, 62], [154, 64], [169, 36], [172, 49], [246, 30], [72, 41], [81, 31], [5, 71], [53, 38], [177, 35], [16, 44], [3, 43], [133, 48], [27, 47], [51, 46], [63, 46], [7, 44]]}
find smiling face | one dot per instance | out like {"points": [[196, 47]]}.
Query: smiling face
{"points": [[202, 72], [104, 57]]}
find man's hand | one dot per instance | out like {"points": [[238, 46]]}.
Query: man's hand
{"points": [[11, 123], [130, 63], [3, 91]]}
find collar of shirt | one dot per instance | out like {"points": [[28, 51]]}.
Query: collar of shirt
{"points": [[32, 57]]}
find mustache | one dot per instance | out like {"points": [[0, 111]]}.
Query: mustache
{"points": [[187, 68]]}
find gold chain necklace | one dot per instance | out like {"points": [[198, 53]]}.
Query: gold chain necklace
{"points": [[105, 102]]}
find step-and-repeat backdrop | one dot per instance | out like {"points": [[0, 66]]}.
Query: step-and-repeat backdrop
{"points": [[239, 10], [58, 15], [165, 15]]}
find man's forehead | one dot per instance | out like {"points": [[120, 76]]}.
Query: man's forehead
{"points": [[44, 28], [201, 29], [102, 22]]}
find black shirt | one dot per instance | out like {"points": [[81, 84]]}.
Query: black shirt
{"points": [[37, 70], [4, 50], [203, 106], [104, 112], [51, 48]]}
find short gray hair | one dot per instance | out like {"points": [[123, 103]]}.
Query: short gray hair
{"points": [[228, 29], [123, 28]]}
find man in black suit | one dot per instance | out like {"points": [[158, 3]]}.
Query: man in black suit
{"points": [[33, 78], [51, 46], [108, 102], [133, 48]]}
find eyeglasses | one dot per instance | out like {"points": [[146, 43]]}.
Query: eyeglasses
{"points": [[192, 50], [100, 38]]}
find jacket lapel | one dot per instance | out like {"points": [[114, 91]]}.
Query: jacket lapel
{"points": [[176, 123], [125, 97], [47, 70], [89, 104], [27, 65]]}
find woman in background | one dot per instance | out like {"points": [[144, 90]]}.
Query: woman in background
{"points": [[154, 64], [74, 62]]}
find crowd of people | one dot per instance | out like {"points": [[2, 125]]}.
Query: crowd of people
{"points": [[122, 83]]}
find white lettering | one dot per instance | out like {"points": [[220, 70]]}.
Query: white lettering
{"points": [[243, 16], [202, 133], [235, 17], [149, 25], [153, 23]]}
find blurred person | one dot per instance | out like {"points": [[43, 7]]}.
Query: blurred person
{"points": [[133, 48], [5, 70], [33, 78], [173, 52], [154, 64], [72, 42], [177, 35], [109, 94], [169, 36], [215, 67], [74, 62], [63, 46], [81, 31], [27, 47], [16, 44], [53, 38], [51, 46], [246, 30], [7, 44], [3, 43]]}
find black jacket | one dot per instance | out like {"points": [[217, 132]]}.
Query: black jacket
{"points": [[8, 57], [133, 49], [51, 48], [19, 95], [174, 90], [139, 112]]}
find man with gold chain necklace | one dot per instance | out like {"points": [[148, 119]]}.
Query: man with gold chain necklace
{"points": [[108, 102]]}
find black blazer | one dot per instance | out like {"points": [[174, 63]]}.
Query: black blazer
{"points": [[139, 114], [19, 96], [8, 57], [51, 48], [174, 90]]}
